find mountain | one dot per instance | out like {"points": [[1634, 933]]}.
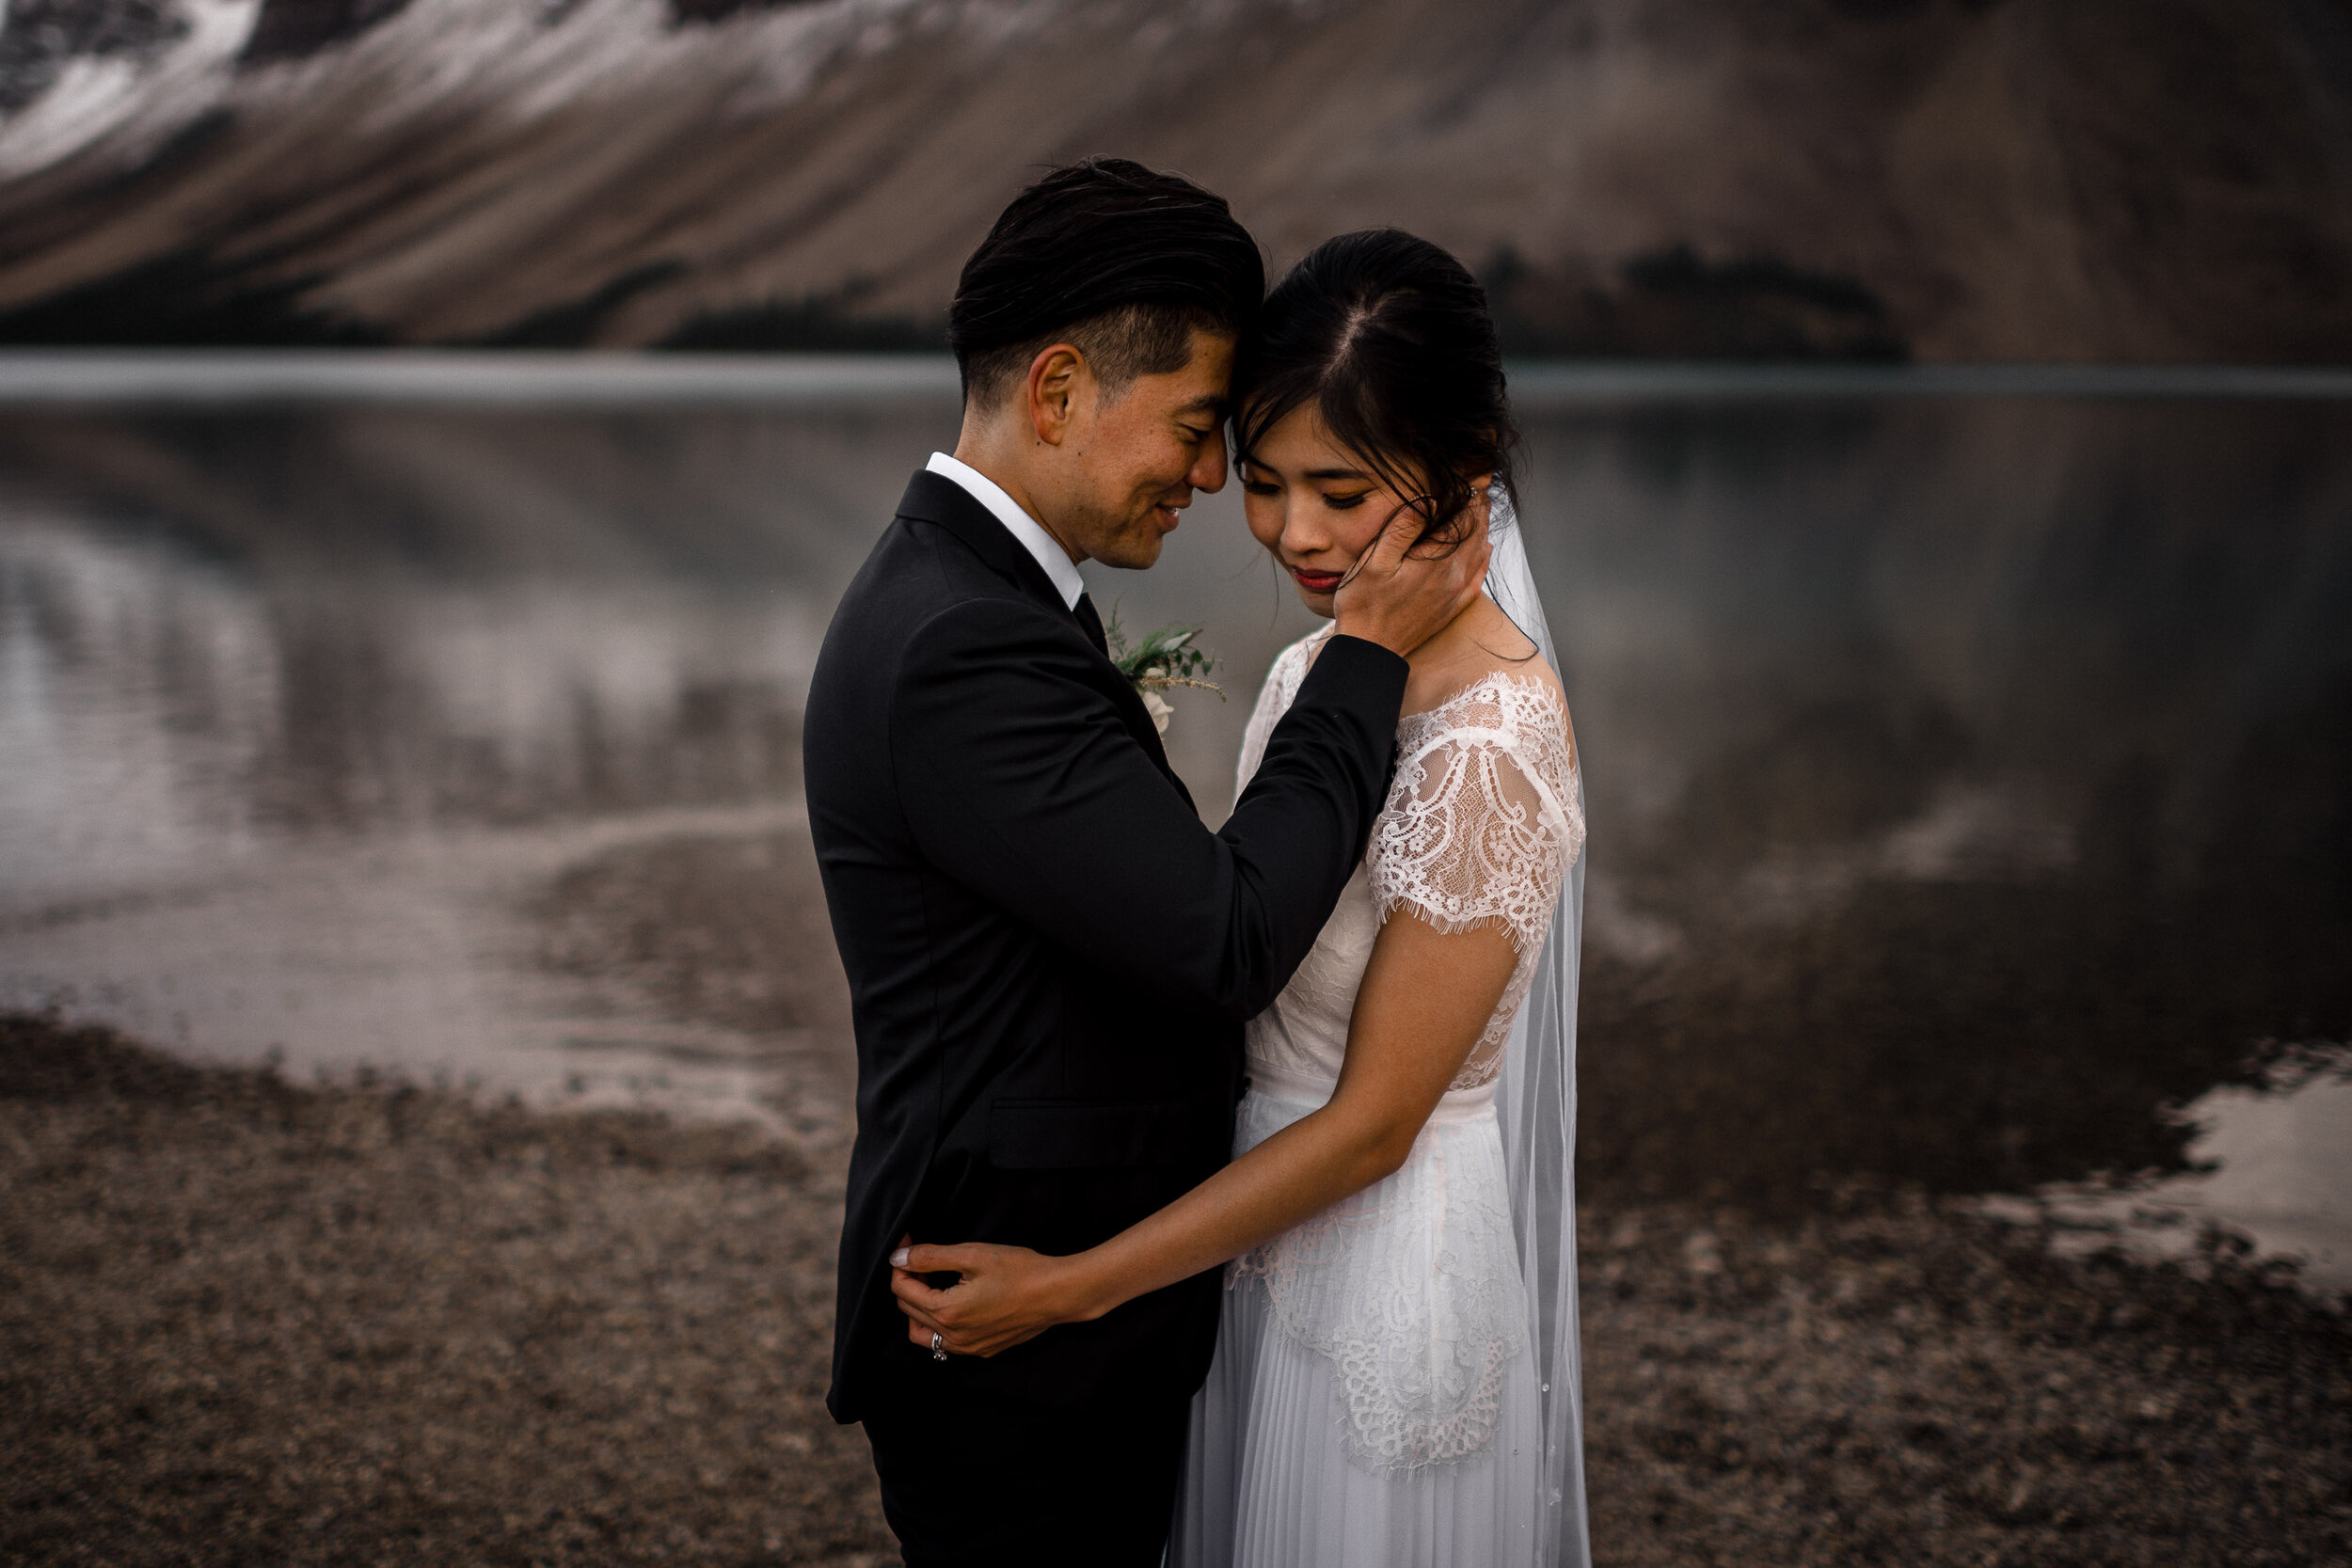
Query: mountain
{"points": [[1944, 179]]}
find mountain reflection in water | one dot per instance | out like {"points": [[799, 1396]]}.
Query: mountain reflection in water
{"points": [[1971, 782], [1970, 779]]}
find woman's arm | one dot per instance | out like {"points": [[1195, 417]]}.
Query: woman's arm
{"points": [[1426, 998]]}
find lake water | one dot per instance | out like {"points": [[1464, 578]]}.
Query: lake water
{"points": [[1969, 753]]}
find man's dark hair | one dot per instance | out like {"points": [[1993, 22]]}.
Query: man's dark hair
{"points": [[1119, 262]]}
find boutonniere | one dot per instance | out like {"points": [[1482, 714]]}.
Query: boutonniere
{"points": [[1167, 657]]}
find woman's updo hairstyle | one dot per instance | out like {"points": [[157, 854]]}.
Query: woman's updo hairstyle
{"points": [[1389, 335]]}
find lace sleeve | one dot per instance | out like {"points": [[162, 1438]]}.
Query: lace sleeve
{"points": [[1483, 819]]}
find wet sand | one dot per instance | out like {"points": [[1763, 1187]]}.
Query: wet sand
{"points": [[246, 1322], [1894, 1381], [243, 1321]]}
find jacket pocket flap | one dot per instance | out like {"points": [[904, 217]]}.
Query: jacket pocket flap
{"points": [[1065, 1134]]}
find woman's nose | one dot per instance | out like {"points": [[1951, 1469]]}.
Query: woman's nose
{"points": [[1302, 532]]}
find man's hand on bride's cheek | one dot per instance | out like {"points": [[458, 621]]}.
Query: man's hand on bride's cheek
{"points": [[1002, 1295]]}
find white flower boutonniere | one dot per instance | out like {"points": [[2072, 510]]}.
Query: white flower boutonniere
{"points": [[1164, 659]]}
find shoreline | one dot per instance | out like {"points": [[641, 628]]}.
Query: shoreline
{"points": [[244, 1320], [44, 378]]}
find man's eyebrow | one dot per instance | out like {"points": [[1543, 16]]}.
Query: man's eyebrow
{"points": [[1211, 403]]}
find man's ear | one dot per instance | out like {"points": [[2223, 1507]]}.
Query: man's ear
{"points": [[1059, 379]]}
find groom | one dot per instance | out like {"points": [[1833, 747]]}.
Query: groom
{"points": [[1050, 958]]}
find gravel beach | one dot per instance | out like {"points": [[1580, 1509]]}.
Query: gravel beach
{"points": [[247, 1322]]}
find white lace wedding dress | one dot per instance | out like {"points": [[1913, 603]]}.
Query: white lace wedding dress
{"points": [[1374, 1399]]}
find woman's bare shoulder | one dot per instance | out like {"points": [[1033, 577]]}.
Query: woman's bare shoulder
{"points": [[1481, 646]]}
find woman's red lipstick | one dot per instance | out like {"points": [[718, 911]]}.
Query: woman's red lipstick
{"points": [[1315, 582]]}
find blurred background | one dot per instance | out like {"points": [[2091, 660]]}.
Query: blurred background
{"points": [[1938, 468], [1942, 180]]}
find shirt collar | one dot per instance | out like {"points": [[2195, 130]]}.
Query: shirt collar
{"points": [[1024, 527]]}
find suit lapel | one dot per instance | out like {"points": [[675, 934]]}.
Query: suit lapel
{"points": [[935, 498]]}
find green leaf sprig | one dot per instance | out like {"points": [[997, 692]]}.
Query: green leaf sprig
{"points": [[1164, 659]]}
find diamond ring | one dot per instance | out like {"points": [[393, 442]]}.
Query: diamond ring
{"points": [[939, 1346]]}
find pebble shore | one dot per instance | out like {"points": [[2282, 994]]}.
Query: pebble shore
{"points": [[247, 1322]]}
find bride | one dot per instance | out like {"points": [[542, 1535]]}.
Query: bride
{"points": [[1397, 1378]]}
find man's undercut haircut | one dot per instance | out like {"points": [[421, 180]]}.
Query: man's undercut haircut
{"points": [[1122, 263]]}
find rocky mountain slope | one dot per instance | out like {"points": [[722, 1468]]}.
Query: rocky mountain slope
{"points": [[1949, 180]]}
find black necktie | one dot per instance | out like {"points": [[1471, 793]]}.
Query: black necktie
{"points": [[1084, 611]]}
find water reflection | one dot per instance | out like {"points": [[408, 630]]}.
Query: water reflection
{"points": [[1971, 779], [305, 715], [1977, 771], [2272, 1161]]}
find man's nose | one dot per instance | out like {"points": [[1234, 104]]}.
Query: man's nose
{"points": [[1208, 466]]}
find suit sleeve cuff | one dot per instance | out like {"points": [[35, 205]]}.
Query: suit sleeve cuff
{"points": [[1362, 677]]}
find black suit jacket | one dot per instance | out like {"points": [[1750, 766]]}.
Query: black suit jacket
{"points": [[1050, 958]]}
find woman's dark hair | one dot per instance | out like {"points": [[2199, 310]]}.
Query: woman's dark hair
{"points": [[1121, 262], [1389, 335]]}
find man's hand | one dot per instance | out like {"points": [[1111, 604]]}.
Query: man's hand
{"points": [[1003, 1295], [1400, 596]]}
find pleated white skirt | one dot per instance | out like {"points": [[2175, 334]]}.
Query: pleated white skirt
{"points": [[1270, 1479]]}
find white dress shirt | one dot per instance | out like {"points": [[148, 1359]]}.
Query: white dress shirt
{"points": [[1032, 535]]}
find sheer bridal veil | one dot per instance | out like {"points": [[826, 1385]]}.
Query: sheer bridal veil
{"points": [[1537, 1103]]}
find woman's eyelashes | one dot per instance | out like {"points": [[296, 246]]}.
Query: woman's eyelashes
{"points": [[1334, 501]]}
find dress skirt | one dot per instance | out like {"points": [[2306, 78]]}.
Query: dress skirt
{"points": [[1307, 1448]]}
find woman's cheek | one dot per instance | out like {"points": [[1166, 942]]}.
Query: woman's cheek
{"points": [[1264, 516]]}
